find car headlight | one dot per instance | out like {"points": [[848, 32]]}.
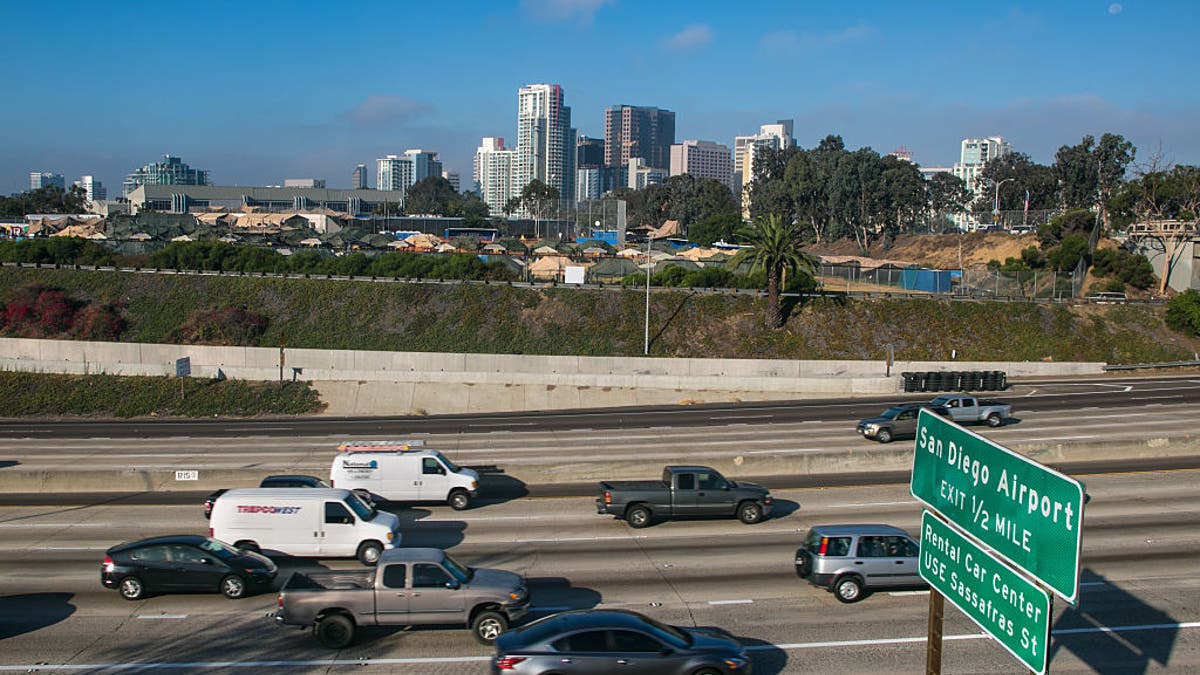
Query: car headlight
{"points": [[736, 663], [390, 535], [871, 427]]}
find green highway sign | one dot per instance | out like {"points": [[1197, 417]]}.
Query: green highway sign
{"points": [[1005, 604], [1027, 513]]}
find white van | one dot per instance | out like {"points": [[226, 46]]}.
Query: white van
{"points": [[304, 522], [405, 476]]}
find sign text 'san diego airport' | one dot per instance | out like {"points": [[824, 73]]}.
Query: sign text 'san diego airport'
{"points": [[1027, 513], [1005, 604]]}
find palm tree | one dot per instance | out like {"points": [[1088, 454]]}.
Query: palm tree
{"points": [[774, 247]]}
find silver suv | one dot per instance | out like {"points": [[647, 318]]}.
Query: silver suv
{"points": [[852, 560]]}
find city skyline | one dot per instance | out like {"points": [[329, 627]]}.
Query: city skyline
{"points": [[879, 75]]}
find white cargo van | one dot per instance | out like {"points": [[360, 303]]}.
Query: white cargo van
{"points": [[304, 522], [400, 475]]}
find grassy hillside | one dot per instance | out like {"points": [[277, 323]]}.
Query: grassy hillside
{"points": [[499, 319]]}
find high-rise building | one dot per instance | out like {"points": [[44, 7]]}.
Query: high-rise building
{"points": [[975, 154], [545, 140], [358, 179], [453, 179], [640, 175], [41, 179], [170, 171], [592, 178], [494, 168], [589, 152], [93, 190], [398, 173], [703, 159], [777, 136], [632, 131]]}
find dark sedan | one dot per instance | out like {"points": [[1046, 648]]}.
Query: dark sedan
{"points": [[616, 641], [898, 421], [184, 563]]}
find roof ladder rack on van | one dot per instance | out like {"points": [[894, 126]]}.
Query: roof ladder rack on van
{"points": [[380, 446]]}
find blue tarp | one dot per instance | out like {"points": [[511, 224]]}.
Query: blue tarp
{"points": [[930, 281]]}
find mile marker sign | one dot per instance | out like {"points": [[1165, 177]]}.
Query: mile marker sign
{"points": [[1029, 514]]}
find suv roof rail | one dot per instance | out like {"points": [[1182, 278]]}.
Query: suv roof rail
{"points": [[381, 446]]}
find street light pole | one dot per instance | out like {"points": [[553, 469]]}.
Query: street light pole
{"points": [[996, 202], [649, 268]]}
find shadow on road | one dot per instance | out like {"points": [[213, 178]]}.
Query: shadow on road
{"points": [[29, 612], [783, 508], [1095, 636], [497, 487], [768, 659], [6, 463]]}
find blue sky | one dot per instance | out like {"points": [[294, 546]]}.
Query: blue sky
{"points": [[257, 92]]}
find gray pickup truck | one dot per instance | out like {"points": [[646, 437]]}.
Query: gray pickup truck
{"points": [[966, 409], [409, 587], [683, 491]]}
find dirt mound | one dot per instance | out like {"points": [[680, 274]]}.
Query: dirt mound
{"points": [[939, 251]]}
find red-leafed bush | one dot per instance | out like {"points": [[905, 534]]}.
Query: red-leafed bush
{"points": [[55, 312], [229, 326], [37, 311], [100, 322]]}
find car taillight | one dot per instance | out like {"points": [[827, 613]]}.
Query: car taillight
{"points": [[824, 545], [607, 497], [108, 563], [508, 662], [279, 601], [331, 483], [210, 532]]}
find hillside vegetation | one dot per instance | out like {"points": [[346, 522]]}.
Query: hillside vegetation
{"points": [[497, 318]]}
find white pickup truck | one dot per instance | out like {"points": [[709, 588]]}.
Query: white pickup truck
{"points": [[966, 409]]}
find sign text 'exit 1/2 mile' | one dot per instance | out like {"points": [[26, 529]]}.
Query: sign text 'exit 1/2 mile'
{"points": [[1027, 513]]}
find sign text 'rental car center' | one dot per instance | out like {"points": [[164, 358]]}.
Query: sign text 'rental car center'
{"points": [[1026, 512]]}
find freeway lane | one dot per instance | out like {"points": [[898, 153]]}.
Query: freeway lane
{"points": [[1044, 395], [1140, 543]]}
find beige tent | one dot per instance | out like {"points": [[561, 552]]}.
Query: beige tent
{"points": [[423, 242], [182, 237], [630, 253], [494, 248], [399, 243], [697, 254], [140, 236], [551, 267], [668, 229], [545, 250], [445, 248]]}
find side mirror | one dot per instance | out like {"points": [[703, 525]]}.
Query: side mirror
{"points": [[452, 584]]}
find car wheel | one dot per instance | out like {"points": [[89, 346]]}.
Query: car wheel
{"points": [[803, 563], [638, 517], [994, 420], [369, 552], [247, 546], [132, 588], [750, 513], [848, 589], [707, 671], [233, 587], [884, 436], [459, 500], [487, 626], [334, 631]]}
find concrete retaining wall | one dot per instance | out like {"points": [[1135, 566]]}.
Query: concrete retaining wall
{"points": [[356, 382]]}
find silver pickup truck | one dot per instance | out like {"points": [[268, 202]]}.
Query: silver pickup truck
{"points": [[966, 409], [409, 587]]}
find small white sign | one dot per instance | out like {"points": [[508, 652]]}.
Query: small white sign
{"points": [[573, 274], [187, 475]]}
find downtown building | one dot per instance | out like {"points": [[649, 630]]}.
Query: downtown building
{"points": [[703, 159], [638, 132], [41, 179], [777, 136], [170, 171], [93, 190], [974, 154], [545, 141], [397, 173], [493, 171]]}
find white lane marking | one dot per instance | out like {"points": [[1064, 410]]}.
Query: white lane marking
{"points": [[731, 602], [743, 417], [856, 504], [63, 548], [162, 616], [162, 665]]}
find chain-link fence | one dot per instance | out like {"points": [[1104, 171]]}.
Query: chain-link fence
{"points": [[978, 282]]}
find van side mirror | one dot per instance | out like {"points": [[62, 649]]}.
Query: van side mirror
{"points": [[452, 584]]}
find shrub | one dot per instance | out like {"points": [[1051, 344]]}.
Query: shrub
{"points": [[1126, 267], [230, 326], [100, 322], [1183, 312]]}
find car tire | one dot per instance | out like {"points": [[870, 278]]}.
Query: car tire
{"points": [[233, 587], [707, 671], [638, 517], [993, 420], [487, 626], [459, 500], [848, 589], [369, 552], [884, 436], [334, 631], [803, 563], [750, 513], [131, 588], [247, 546]]}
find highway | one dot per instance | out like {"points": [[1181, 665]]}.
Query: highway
{"points": [[1138, 611]]}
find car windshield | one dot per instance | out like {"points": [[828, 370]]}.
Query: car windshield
{"points": [[669, 634], [219, 548], [460, 571], [449, 465], [364, 511], [891, 413]]}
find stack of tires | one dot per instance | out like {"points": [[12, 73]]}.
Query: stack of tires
{"points": [[968, 380]]}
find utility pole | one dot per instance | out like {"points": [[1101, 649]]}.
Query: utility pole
{"points": [[649, 269]]}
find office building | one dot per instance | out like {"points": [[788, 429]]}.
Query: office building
{"points": [[494, 169], [777, 136], [170, 171], [453, 179], [545, 140], [304, 182], [93, 190], [41, 179], [633, 131], [703, 159], [975, 153], [359, 178], [640, 174], [396, 173]]}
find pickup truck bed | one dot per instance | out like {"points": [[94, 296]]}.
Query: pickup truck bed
{"points": [[634, 485], [327, 581]]}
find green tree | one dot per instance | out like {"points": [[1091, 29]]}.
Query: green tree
{"points": [[1022, 174], [1183, 312], [1090, 173], [720, 227], [538, 199], [774, 248], [433, 196], [48, 199], [948, 195]]}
